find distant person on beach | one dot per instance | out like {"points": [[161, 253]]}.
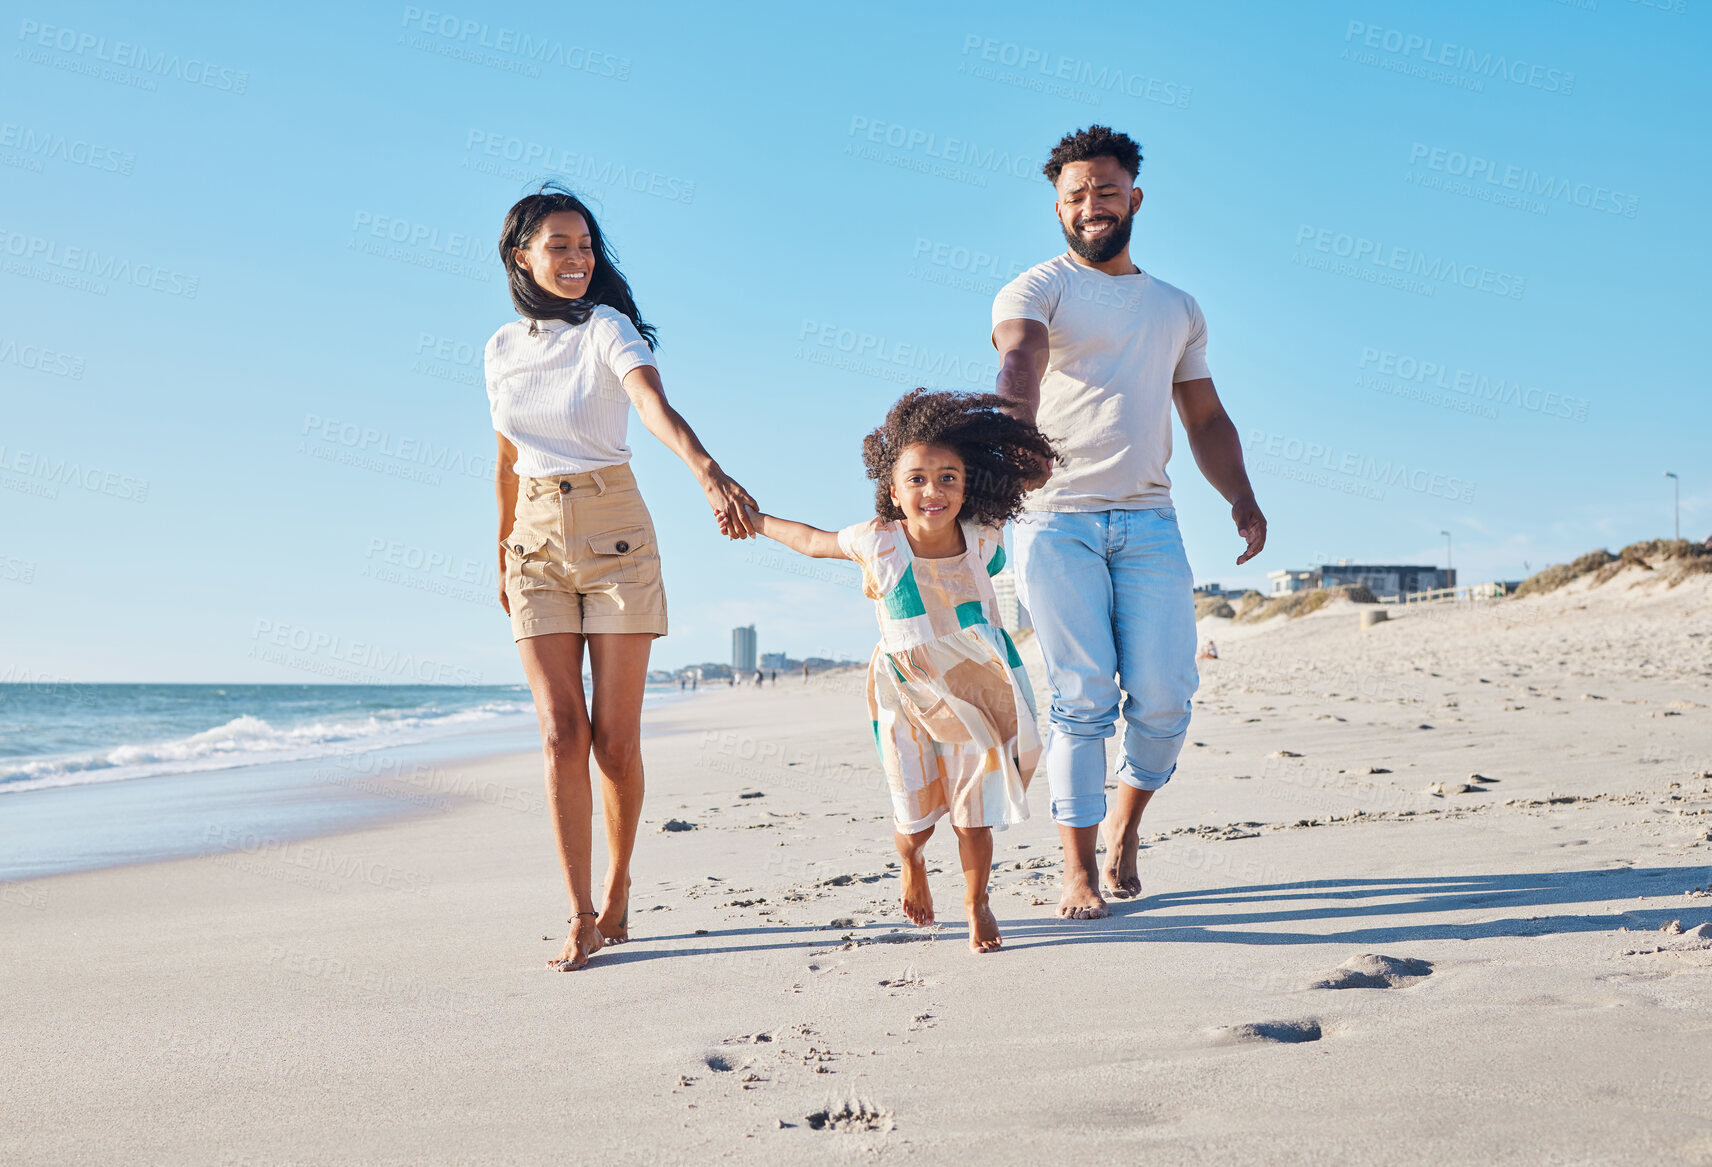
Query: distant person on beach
{"points": [[1097, 352], [952, 708], [577, 556]]}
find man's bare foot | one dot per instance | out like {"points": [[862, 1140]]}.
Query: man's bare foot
{"points": [[917, 896], [614, 918], [983, 928], [1119, 875], [1081, 901], [583, 942]]}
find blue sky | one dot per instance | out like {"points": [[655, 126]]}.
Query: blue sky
{"points": [[1451, 256]]}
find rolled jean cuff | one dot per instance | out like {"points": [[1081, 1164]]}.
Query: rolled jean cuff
{"points": [[1079, 810], [1141, 780]]}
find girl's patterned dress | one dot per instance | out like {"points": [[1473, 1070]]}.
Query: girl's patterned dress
{"points": [[952, 708]]}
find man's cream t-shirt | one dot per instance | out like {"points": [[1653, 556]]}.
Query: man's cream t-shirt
{"points": [[1118, 345]]}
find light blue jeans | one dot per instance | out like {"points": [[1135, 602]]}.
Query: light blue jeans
{"points": [[1113, 604]]}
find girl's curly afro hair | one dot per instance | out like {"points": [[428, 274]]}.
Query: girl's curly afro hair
{"points": [[998, 450]]}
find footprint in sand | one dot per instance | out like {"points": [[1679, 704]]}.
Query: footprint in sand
{"points": [[858, 1114], [748, 1039], [1373, 971], [1285, 1032]]}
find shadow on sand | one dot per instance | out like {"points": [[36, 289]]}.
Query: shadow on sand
{"points": [[1372, 912]]}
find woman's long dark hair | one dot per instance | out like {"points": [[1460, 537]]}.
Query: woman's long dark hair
{"points": [[534, 302]]}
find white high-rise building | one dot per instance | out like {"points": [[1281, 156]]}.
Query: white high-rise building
{"points": [[743, 649], [1013, 617]]}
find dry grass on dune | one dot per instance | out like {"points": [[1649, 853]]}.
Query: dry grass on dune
{"points": [[1683, 558], [1301, 603], [1247, 602], [1213, 606]]}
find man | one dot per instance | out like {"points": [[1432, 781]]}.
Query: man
{"points": [[1096, 352]]}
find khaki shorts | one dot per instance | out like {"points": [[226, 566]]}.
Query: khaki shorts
{"points": [[582, 557]]}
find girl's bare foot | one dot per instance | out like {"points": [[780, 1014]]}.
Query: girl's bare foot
{"points": [[583, 942], [614, 919], [918, 897], [1122, 880], [983, 928]]}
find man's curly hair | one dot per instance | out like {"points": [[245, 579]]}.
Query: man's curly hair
{"points": [[1093, 142], [997, 450]]}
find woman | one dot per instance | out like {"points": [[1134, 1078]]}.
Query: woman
{"points": [[578, 560]]}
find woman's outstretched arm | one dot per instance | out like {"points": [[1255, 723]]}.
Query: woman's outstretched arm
{"points": [[728, 500]]}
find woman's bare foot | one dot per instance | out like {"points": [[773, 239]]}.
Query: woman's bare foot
{"points": [[1121, 879], [614, 918], [583, 942], [983, 928]]}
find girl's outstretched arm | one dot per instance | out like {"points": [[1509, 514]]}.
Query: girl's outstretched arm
{"points": [[799, 537]]}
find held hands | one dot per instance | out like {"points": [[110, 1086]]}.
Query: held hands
{"points": [[752, 515], [1251, 525], [731, 504], [1042, 470]]}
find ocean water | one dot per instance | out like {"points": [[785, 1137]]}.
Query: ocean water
{"points": [[103, 775], [71, 734]]}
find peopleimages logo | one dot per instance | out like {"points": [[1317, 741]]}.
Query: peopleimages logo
{"points": [[1522, 180], [1056, 67], [1413, 53], [32, 250], [1356, 469], [125, 55], [532, 157], [531, 51], [1478, 386], [1374, 254], [956, 151], [46, 144]]}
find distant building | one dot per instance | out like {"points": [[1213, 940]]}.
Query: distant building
{"points": [[743, 649], [1210, 591], [1285, 582], [1386, 581], [775, 660]]}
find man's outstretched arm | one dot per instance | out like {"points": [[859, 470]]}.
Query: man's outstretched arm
{"points": [[1218, 452]]}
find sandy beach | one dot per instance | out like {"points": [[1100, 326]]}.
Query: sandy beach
{"points": [[1437, 891]]}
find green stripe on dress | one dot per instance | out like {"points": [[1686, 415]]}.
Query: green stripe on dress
{"points": [[997, 563], [904, 600], [970, 614], [1010, 650]]}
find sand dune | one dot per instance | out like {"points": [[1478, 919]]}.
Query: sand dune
{"points": [[1431, 892]]}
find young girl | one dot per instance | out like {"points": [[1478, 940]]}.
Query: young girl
{"points": [[952, 709]]}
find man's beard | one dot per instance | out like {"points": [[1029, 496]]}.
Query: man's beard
{"points": [[1107, 247]]}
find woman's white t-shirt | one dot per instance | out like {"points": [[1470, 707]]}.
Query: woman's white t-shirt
{"points": [[558, 395]]}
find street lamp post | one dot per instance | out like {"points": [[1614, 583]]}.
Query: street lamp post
{"points": [[1675, 505], [1447, 559]]}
